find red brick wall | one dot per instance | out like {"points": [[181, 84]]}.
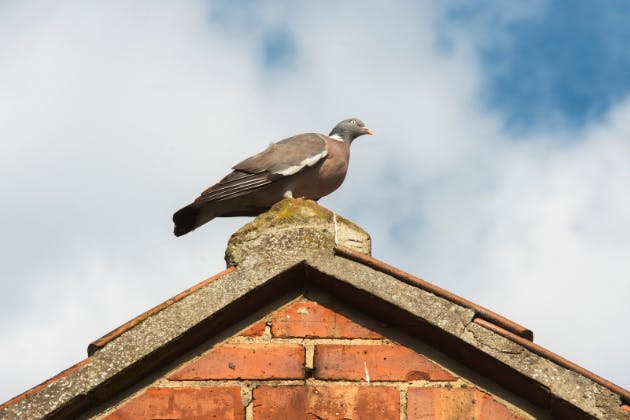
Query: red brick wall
{"points": [[306, 361]]}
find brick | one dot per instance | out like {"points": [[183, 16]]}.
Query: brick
{"points": [[246, 361], [310, 319], [379, 363], [326, 402], [455, 403], [183, 403], [255, 330]]}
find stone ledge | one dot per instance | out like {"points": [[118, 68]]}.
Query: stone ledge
{"points": [[293, 229]]}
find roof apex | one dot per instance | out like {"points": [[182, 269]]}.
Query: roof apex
{"points": [[291, 250], [293, 229]]}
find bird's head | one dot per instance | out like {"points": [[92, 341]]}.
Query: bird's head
{"points": [[350, 129]]}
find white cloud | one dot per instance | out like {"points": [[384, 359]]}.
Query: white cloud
{"points": [[560, 240], [114, 115]]}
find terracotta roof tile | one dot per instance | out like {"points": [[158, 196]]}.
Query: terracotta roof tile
{"points": [[485, 318], [44, 384], [541, 351], [101, 342], [480, 311]]}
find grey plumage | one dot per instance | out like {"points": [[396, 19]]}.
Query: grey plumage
{"points": [[308, 165]]}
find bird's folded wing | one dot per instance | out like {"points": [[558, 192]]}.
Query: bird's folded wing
{"points": [[287, 156], [234, 185], [279, 160]]}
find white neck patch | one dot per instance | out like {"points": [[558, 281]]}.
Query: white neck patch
{"points": [[336, 137]]}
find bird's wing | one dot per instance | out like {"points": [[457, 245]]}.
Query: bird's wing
{"points": [[288, 156], [284, 158], [234, 185]]}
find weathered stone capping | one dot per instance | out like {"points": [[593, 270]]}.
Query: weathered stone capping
{"points": [[291, 229]]}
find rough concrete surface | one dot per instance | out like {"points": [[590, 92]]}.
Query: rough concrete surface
{"points": [[568, 385], [293, 229]]}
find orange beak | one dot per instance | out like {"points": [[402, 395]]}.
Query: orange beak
{"points": [[367, 131]]}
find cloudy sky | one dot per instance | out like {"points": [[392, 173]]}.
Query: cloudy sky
{"points": [[500, 168]]}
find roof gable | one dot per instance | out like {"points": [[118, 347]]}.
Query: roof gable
{"points": [[299, 248], [309, 357]]}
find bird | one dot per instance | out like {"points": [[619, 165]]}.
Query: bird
{"points": [[308, 166]]}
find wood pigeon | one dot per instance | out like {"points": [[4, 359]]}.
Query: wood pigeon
{"points": [[308, 166]]}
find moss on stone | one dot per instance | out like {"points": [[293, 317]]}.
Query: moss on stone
{"points": [[291, 227]]}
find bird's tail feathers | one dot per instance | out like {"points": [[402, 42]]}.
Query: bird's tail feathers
{"points": [[186, 220]]}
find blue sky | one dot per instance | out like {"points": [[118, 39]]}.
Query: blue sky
{"points": [[498, 170], [571, 59]]}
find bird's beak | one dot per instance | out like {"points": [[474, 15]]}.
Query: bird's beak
{"points": [[367, 131]]}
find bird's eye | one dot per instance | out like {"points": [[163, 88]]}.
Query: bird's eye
{"points": [[353, 122]]}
